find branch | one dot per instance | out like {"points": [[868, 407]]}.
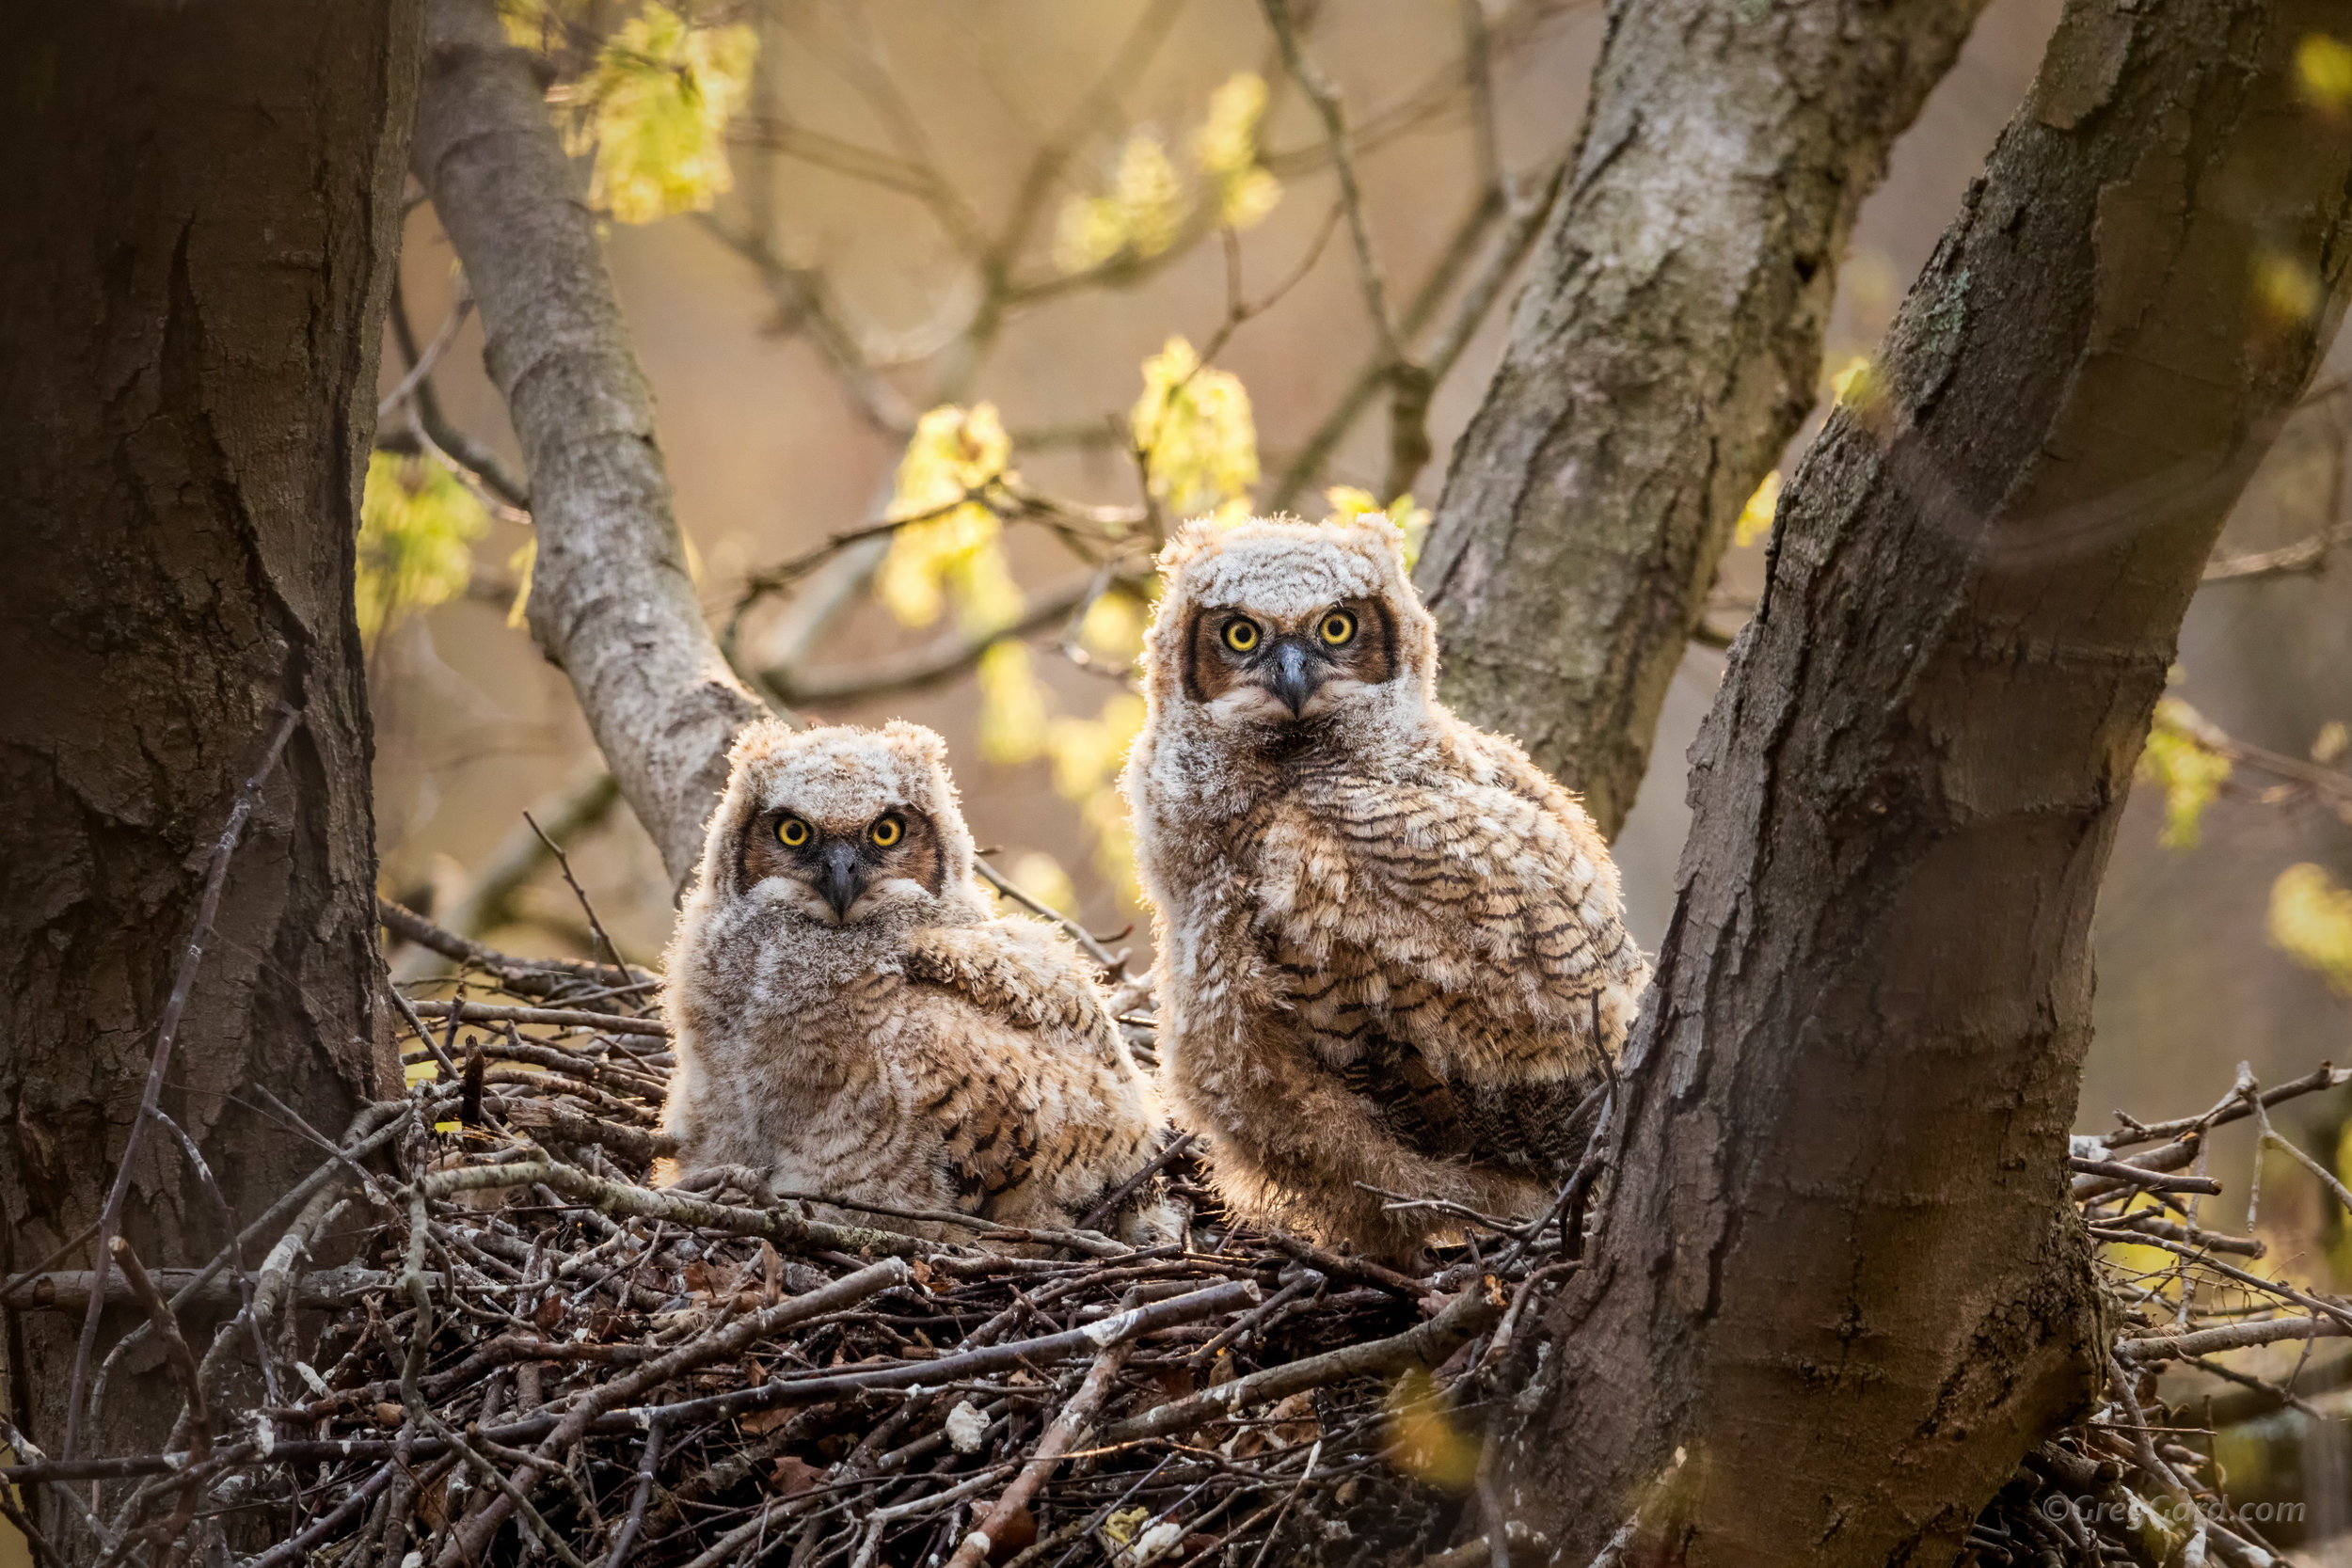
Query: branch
{"points": [[1326, 98], [611, 600], [1461, 249], [1428, 1345], [1663, 355], [2304, 557], [917, 669]]}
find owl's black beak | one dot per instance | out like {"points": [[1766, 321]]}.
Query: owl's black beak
{"points": [[1296, 674], [841, 876]]}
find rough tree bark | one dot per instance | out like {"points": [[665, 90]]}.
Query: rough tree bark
{"points": [[1662, 354], [611, 601], [1838, 1278], [196, 278]]}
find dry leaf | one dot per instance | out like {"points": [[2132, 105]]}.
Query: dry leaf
{"points": [[790, 1477]]}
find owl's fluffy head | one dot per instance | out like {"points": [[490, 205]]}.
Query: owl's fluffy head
{"points": [[1274, 622], [840, 826]]}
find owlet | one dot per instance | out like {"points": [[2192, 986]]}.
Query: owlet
{"points": [[852, 1014], [1392, 963]]}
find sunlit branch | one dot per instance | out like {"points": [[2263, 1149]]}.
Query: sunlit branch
{"points": [[2304, 557], [1518, 237]]}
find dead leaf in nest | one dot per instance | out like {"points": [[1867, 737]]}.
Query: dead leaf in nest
{"points": [[604, 1325], [389, 1414], [1295, 1421], [790, 1477], [549, 1313], [1221, 1368], [759, 1422], [433, 1504], [1013, 1535], [921, 1270], [1494, 1289], [1174, 1383], [771, 1273]]}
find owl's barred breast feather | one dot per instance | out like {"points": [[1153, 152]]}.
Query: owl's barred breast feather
{"points": [[1393, 958]]}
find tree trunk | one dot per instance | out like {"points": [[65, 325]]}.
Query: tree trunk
{"points": [[1839, 1290], [1665, 351], [207, 209], [611, 601]]}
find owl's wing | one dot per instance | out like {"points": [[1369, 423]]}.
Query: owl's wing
{"points": [[1025, 974], [1030, 1020], [1538, 1126], [1461, 917]]}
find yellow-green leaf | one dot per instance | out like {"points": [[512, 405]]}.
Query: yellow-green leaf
{"points": [[654, 110], [1139, 217], [1226, 147], [2181, 761], [956, 549], [1194, 427], [2310, 921], [417, 528], [1756, 519]]}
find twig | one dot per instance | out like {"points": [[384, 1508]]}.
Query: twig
{"points": [[2305, 557], [2207, 1341], [562, 1018], [940, 660], [567, 816], [527, 976], [1327, 101], [1067, 1429], [1120, 1193], [648, 1467], [166, 1033], [422, 366], [563, 864], [183, 1363], [2139, 1175], [1426, 1344], [1112, 965]]}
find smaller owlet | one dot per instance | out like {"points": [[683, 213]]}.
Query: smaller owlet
{"points": [[1391, 956], [851, 1013]]}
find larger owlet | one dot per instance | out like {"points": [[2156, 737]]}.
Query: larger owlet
{"points": [[1392, 957], [851, 1013]]}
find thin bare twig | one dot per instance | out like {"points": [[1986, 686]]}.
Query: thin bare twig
{"points": [[1326, 98], [166, 1034]]}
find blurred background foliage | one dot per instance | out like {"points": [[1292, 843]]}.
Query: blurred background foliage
{"points": [[950, 311]]}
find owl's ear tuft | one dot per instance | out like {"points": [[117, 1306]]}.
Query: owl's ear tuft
{"points": [[1196, 537], [917, 740], [757, 739]]}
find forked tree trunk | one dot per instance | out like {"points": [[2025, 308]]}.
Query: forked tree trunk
{"points": [[1838, 1277], [1660, 358], [206, 208]]}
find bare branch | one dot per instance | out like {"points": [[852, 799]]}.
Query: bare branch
{"points": [[918, 669], [1325, 99]]}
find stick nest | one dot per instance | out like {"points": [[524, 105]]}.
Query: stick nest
{"points": [[532, 1352]]}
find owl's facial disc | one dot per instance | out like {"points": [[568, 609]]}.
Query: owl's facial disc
{"points": [[840, 873], [1247, 667]]}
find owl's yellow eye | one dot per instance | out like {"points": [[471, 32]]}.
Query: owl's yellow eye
{"points": [[1338, 627], [888, 830], [792, 833], [1241, 634]]}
